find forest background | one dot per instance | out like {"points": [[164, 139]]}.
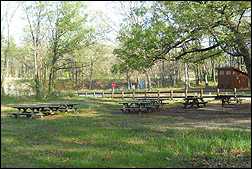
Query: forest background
{"points": [[68, 45]]}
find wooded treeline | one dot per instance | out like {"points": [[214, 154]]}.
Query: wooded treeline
{"points": [[162, 42]]}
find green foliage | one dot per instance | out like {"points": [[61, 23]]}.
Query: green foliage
{"points": [[182, 26]]}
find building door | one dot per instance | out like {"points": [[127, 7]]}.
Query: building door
{"points": [[237, 82]]}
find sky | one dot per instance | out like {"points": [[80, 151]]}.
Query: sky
{"points": [[17, 24]]}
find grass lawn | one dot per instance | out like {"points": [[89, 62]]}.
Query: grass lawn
{"points": [[97, 135]]}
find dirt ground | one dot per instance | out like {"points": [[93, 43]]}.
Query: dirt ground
{"points": [[213, 115]]}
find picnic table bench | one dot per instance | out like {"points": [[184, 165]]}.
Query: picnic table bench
{"points": [[191, 100]]}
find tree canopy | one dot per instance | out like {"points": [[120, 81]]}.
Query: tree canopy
{"points": [[184, 26]]}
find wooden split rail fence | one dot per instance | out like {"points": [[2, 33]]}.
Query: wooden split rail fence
{"points": [[205, 93]]}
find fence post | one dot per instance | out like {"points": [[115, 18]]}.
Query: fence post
{"points": [[186, 93], [133, 94], [102, 94], [86, 94], [122, 94], [112, 95], [171, 94], [158, 94], [94, 94], [218, 92], [145, 94], [201, 92]]}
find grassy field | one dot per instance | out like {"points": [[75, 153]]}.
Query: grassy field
{"points": [[97, 135]]}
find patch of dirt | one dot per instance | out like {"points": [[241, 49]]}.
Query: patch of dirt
{"points": [[210, 112], [211, 116]]}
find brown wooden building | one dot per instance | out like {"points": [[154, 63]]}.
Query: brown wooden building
{"points": [[231, 77]]}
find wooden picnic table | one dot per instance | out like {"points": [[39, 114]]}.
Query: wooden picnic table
{"points": [[227, 98], [41, 110], [67, 107], [34, 110], [139, 105], [191, 100], [156, 102]]}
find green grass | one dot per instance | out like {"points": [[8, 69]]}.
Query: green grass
{"points": [[98, 136]]}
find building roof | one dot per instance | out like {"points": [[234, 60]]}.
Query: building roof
{"points": [[234, 68]]}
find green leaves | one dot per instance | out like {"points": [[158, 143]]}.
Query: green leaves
{"points": [[173, 25]]}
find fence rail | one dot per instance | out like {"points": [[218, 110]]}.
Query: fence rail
{"points": [[171, 94]]}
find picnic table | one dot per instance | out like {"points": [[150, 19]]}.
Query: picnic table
{"points": [[40, 110], [191, 100], [34, 110], [156, 102], [136, 105], [67, 107], [227, 98]]}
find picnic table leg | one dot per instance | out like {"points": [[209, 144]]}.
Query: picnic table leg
{"points": [[28, 116], [197, 102], [128, 107], [151, 105], [186, 103], [193, 102], [39, 112], [123, 109], [69, 108], [16, 115], [140, 109]]}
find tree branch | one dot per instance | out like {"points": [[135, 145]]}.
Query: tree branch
{"points": [[197, 50]]}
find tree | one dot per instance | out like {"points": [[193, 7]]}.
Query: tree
{"points": [[6, 16], [228, 23], [68, 31], [172, 25], [35, 14], [133, 38]]}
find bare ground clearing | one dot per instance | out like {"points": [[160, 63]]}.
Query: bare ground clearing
{"points": [[214, 115]]}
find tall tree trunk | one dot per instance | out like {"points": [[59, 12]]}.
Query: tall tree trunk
{"points": [[213, 71], [128, 80], [197, 75], [36, 72], [186, 76], [83, 75], [53, 81], [174, 74], [148, 79], [91, 74], [138, 81], [205, 75], [50, 84], [200, 74], [163, 75], [41, 68], [171, 73], [76, 75]]}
